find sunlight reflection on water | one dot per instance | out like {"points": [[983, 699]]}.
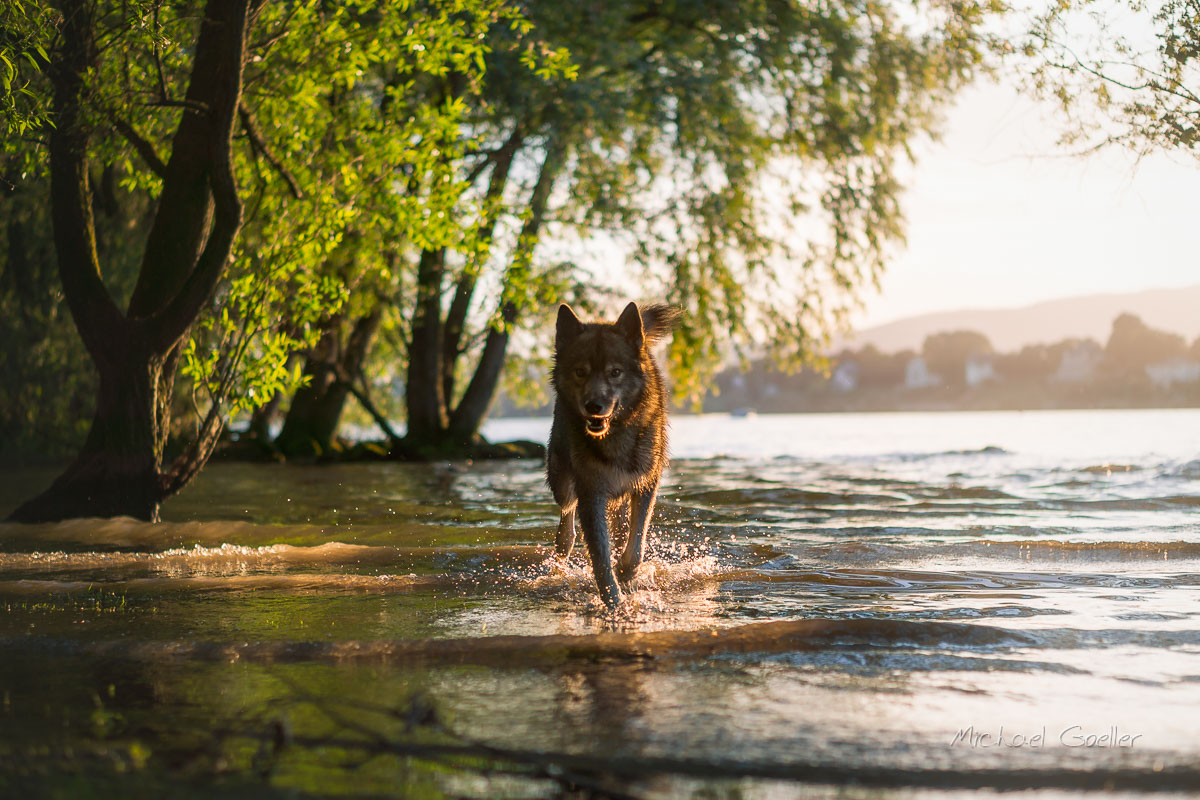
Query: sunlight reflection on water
{"points": [[1058, 551]]}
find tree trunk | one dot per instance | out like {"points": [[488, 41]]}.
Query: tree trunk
{"points": [[317, 408], [424, 401], [119, 470], [464, 289], [298, 435], [262, 419], [468, 416], [455, 326]]}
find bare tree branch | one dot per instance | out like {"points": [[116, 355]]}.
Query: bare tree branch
{"points": [[259, 145], [143, 147], [369, 406]]}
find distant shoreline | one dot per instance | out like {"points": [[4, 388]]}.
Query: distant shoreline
{"points": [[681, 412]]}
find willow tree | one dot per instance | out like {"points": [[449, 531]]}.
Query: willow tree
{"points": [[183, 97], [47, 384], [1125, 73], [745, 157], [392, 136], [120, 469]]}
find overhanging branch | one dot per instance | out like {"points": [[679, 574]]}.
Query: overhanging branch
{"points": [[92, 307], [143, 147], [177, 316], [258, 145]]}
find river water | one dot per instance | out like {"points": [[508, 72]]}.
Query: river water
{"points": [[939, 602]]}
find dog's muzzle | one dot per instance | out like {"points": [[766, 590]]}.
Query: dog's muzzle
{"points": [[596, 426]]}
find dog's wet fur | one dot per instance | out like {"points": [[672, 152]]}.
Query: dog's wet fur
{"points": [[608, 443]]}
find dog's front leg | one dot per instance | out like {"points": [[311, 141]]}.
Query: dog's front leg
{"points": [[593, 517], [564, 540], [641, 507]]}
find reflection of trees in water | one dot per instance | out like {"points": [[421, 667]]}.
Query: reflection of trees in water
{"points": [[608, 699], [420, 734], [64, 718], [283, 727]]}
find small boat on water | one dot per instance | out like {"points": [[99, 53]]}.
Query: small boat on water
{"points": [[743, 412]]}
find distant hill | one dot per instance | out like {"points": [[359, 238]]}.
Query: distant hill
{"points": [[1176, 310]]}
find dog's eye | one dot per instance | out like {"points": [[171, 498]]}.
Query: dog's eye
{"points": [[580, 372], [615, 372]]}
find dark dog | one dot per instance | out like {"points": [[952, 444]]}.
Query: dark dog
{"points": [[608, 443]]}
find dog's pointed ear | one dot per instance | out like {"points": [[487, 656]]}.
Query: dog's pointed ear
{"points": [[567, 327], [630, 325]]}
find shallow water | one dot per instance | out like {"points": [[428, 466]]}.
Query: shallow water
{"points": [[940, 602]]}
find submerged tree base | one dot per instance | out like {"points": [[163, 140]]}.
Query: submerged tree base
{"points": [[96, 485]]}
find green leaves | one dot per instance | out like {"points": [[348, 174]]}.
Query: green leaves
{"points": [[1122, 73], [741, 156], [238, 353], [548, 63], [26, 30], [362, 103]]}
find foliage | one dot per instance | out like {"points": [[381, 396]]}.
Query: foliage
{"points": [[744, 158], [373, 152], [362, 141], [947, 353], [1123, 71], [26, 30], [344, 156], [877, 370], [1133, 345]]}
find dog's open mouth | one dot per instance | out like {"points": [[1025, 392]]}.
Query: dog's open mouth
{"points": [[596, 426]]}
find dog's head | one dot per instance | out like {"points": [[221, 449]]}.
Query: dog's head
{"points": [[600, 368]]}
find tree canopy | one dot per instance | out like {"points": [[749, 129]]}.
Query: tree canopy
{"points": [[1124, 72], [947, 353], [745, 156], [1133, 345], [174, 98], [406, 188], [740, 160]]}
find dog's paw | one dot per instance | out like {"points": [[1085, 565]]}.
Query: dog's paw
{"points": [[626, 577]]}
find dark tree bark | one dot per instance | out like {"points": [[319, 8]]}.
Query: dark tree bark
{"points": [[317, 408], [120, 469], [298, 435], [469, 414], [437, 345], [263, 418], [464, 290], [424, 401]]}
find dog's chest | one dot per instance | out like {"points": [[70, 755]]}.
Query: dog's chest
{"points": [[621, 464]]}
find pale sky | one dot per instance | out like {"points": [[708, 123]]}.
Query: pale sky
{"points": [[1000, 216]]}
